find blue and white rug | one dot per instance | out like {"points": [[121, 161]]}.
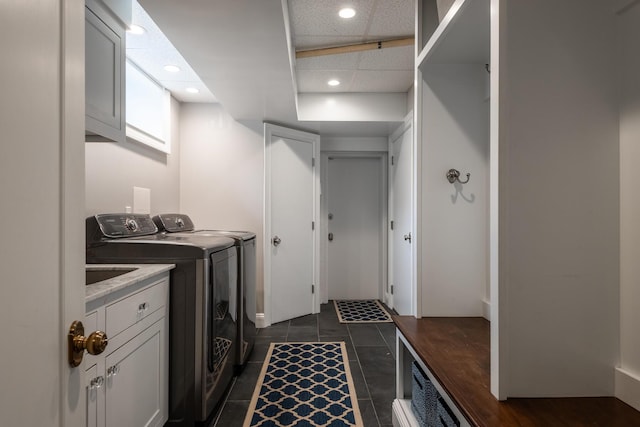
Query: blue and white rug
{"points": [[305, 384], [361, 311]]}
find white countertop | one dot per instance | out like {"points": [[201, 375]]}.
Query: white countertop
{"points": [[106, 287]]}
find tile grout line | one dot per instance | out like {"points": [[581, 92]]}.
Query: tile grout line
{"points": [[224, 404], [366, 384]]}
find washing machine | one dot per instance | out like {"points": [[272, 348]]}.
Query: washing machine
{"points": [[202, 305]]}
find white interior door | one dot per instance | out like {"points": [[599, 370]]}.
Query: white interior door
{"points": [[402, 187], [355, 210], [42, 188], [290, 242]]}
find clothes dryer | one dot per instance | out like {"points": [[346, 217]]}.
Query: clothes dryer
{"points": [[245, 243]]}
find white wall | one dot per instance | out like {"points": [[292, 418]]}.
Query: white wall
{"points": [[356, 107], [559, 198], [455, 122], [628, 375], [222, 174], [112, 170], [354, 144]]}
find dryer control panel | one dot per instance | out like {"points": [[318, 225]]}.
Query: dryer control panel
{"points": [[173, 223]]}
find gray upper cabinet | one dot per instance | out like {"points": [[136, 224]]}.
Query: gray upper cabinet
{"points": [[104, 75]]}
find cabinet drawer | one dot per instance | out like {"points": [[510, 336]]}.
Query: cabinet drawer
{"points": [[91, 322], [126, 312]]}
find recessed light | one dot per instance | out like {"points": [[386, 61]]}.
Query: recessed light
{"points": [[136, 29], [192, 90], [333, 82], [172, 68], [347, 13]]}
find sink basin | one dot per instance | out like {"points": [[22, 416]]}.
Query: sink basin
{"points": [[97, 274]]}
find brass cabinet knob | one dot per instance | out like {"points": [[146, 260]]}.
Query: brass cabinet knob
{"points": [[95, 343]]}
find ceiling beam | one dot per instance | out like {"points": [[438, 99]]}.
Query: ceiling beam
{"points": [[360, 47]]}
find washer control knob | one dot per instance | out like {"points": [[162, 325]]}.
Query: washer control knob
{"points": [[131, 224]]}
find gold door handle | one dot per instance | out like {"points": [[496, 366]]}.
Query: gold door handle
{"points": [[95, 343]]}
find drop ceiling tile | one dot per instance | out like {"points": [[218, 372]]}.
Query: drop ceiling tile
{"points": [[320, 18], [315, 25], [382, 81], [153, 61], [178, 90], [393, 18], [152, 50], [152, 38], [393, 58], [316, 80], [144, 41], [344, 61]]}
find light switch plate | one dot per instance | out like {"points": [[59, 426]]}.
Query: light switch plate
{"points": [[141, 200]]}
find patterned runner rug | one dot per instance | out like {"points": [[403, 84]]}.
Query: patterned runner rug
{"points": [[361, 311], [305, 384]]}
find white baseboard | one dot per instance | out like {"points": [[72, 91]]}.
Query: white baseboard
{"points": [[486, 310], [402, 415], [628, 388], [388, 299], [261, 321]]}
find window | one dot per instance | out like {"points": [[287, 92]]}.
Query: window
{"points": [[148, 110]]}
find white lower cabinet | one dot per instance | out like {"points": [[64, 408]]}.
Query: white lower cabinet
{"points": [[127, 385], [134, 383]]}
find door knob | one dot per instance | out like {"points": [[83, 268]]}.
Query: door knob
{"points": [[331, 237], [95, 343], [276, 241], [407, 237]]}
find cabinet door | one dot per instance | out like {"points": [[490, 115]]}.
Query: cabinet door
{"points": [[104, 78], [95, 384], [136, 380]]}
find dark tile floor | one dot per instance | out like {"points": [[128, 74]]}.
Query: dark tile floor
{"points": [[371, 351]]}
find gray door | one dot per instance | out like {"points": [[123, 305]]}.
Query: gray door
{"points": [[355, 209]]}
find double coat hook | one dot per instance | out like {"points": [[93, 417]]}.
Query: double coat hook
{"points": [[453, 175]]}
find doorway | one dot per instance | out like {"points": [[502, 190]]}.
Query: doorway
{"points": [[355, 232]]}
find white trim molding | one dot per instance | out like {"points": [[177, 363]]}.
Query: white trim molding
{"points": [[486, 309], [261, 321], [628, 387]]}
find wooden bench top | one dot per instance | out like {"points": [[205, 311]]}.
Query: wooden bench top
{"points": [[457, 352]]}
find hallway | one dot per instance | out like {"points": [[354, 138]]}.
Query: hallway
{"points": [[371, 351]]}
